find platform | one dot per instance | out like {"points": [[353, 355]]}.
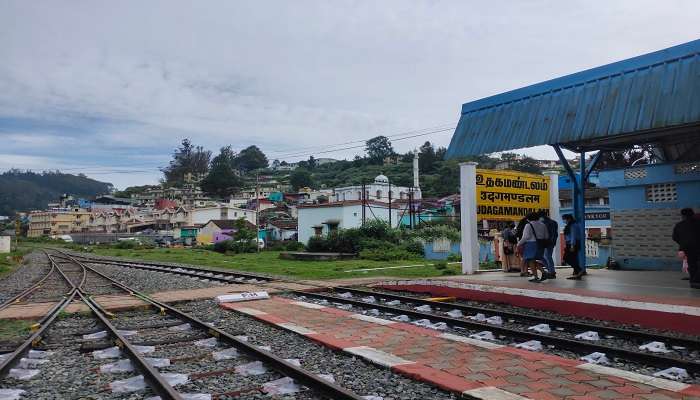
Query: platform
{"points": [[654, 299], [471, 367]]}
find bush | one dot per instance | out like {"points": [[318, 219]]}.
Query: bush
{"points": [[430, 233], [413, 246], [294, 246], [454, 257], [232, 246], [440, 265], [377, 229], [126, 245], [317, 244]]}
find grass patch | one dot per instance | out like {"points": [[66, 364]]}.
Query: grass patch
{"points": [[10, 261], [270, 263], [12, 329]]}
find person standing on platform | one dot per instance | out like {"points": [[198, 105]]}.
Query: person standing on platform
{"points": [[532, 246], [519, 235], [510, 259], [687, 234], [573, 246], [553, 233]]}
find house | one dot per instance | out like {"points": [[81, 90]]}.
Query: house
{"points": [[220, 212], [58, 222], [322, 219], [380, 190], [282, 230], [188, 234], [215, 231]]}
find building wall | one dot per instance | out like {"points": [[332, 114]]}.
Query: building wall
{"points": [[55, 222], [349, 216], [642, 221], [204, 215]]}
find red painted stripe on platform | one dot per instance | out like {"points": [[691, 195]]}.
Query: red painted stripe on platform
{"points": [[648, 318], [441, 379], [415, 329], [693, 390]]}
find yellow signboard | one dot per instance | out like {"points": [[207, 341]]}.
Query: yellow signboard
{"points": [[510, 195]]}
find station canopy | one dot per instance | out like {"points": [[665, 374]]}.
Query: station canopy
{"points": [[649, 99]]}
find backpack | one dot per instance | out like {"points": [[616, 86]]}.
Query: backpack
{"points": [[553, 230], [541, 243]]}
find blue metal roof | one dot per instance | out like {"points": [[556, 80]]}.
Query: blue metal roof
{"points": [[649, 93]]}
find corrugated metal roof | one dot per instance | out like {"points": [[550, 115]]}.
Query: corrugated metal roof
{"points": [[652, 92]]}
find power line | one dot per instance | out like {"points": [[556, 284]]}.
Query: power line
{"points": [[362, 145], [446, 125]]}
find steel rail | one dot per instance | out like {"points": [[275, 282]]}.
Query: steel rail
{"points": [[584, 326], [152, 377], [41, 327], [197, 272], [562, 343], [28, 290], [313, 381]]}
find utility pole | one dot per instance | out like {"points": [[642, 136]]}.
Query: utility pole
{"points": [[389, 204], [257, 212], [364, 199]]}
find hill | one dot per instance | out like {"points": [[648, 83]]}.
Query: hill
{"points": [[26, 190]]}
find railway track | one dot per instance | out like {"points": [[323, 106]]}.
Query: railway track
{"points": [[193, 272], [619, 344], [167, 327], [23, 294]]}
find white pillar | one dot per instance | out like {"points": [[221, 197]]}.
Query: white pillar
{"points": [[416, 173], [554, 212], [470, 242]]}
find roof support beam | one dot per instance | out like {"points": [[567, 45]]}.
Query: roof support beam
{"points": [[592, 165], [578, 183]]}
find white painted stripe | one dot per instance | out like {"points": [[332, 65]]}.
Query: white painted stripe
{"points": [[296, 328], [474, 342], [308, 305], [492, 393], [377, 356], [660, 383], [250, 311], [541, 294], [372, 319]]}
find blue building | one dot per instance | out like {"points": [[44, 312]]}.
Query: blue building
{"points": [[645, 204]]}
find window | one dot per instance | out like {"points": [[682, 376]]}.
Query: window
{"points": [[318, 230], [661, 193], [359, 195], [402, 195], [379, 194], [224, 213]]}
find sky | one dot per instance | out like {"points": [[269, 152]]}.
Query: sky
{"points": [[109, 89]]}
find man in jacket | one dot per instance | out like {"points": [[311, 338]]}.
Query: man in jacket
{"points": [[553, 234], [687, 234]]}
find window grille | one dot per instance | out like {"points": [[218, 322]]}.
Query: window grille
{"points": [[661, 193], [635, 173]]}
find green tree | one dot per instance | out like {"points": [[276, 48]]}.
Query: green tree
{"points": [[222, 179], [427, 157], [527, 164], [251, 158], [301, 178], [378, 148], [187, 158]]}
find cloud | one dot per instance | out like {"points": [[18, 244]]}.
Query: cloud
{"points": [[121, 83]]}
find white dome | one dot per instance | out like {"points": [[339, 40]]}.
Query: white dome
{"points": [[381, 178]]}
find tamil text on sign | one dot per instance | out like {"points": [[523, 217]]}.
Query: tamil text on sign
{"points": [[510, 195]]}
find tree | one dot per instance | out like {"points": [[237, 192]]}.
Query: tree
{"points": [[222, 179], [426, 157], [312, 162], [251, 158], [526, 164], [641, 154], [186, 159], [300, 178], [378, 148]]}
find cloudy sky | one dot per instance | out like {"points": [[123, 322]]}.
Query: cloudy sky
{"points": [[110, 88]]}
